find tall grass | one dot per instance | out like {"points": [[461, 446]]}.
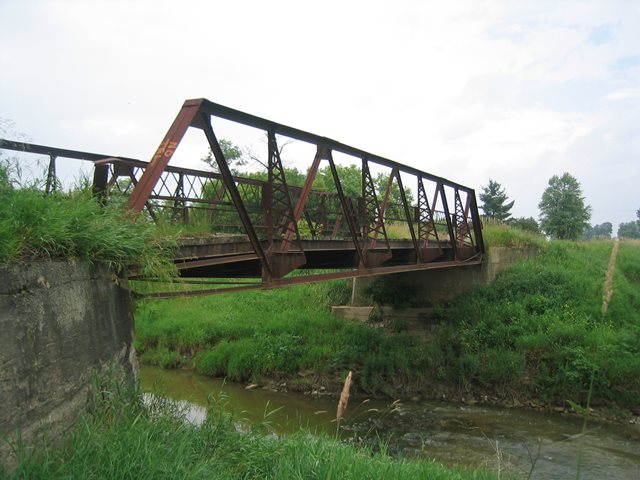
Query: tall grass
{"points": [[252, 335], [498, 234], [35, 225], [539, 330], [122, 438]]}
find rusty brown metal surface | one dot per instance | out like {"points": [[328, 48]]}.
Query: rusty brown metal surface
{"points": [[163, 155], [341, 231], [282, 282], [304, 195]]}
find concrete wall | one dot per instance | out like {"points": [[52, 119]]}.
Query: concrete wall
{"points": [[59, 323], [438, 285]]}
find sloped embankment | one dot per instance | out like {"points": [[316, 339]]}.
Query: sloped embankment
{"points": [[536, 335]]}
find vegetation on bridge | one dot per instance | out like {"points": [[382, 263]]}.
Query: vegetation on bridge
{"points": [[74, 224]]}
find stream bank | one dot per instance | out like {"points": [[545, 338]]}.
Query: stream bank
{"points": [[513, 441]]}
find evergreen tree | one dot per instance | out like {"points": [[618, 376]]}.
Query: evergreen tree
{"points": [[563, 214], [494, 198]]}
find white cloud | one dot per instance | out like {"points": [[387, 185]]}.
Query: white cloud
{"points": [[624, 94], [508, 90]]}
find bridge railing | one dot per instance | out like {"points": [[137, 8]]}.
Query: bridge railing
{"points": [[437, 218], [443, 223]]}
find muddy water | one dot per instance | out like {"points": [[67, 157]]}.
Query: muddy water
{"points": [[505, 440]]}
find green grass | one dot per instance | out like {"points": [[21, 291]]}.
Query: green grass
{"points": [[498, 234], [122, 438], [536, 333], [539, 331], [34, 225], [276, 333]]}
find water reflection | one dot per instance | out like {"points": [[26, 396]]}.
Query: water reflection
{"points": [[508, 440]]}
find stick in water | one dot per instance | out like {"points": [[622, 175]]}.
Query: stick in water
{"points": [[344, 397]]}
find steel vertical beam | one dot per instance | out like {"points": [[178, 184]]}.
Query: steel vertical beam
{"points": [[100, 179], [407, 215], [280, 212], [372, 212], [426, 223], [462, 227], [477, 225], [51, 175]]}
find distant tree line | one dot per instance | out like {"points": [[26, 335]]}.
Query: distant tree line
{"points": [[564, 214], [630, 229]]}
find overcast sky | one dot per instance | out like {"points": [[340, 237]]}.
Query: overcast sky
{"points": [[469, 90]]}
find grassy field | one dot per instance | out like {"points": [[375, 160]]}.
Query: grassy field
{"points": [[536, 333], [539, 329], [120, 437]]}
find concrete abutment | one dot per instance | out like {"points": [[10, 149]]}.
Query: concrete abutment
{"points": [[61, 322], [428, 287]]}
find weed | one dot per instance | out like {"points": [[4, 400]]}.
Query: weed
{"points": [[74, 224], [157, 441]]}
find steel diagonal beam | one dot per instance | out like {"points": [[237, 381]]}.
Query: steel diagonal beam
{"points": [[232, 190], [407, 215], [347, 210], [385, 203], [387, 192], [304, 195], [163, 154], [447, 214]]}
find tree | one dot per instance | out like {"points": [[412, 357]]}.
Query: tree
{"points": [[494, 198], [628, 230], [563, 214], [233, 155], [527, 224], [603, 230]]}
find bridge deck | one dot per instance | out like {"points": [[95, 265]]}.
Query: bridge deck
{"points": [[232, 256]]}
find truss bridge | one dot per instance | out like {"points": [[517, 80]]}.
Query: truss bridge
{"points": [[266, 231]]}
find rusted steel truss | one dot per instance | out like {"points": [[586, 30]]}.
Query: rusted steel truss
{"points": [[384, 230]]}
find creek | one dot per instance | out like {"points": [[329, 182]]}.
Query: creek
{"points": [[507, 440]]}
